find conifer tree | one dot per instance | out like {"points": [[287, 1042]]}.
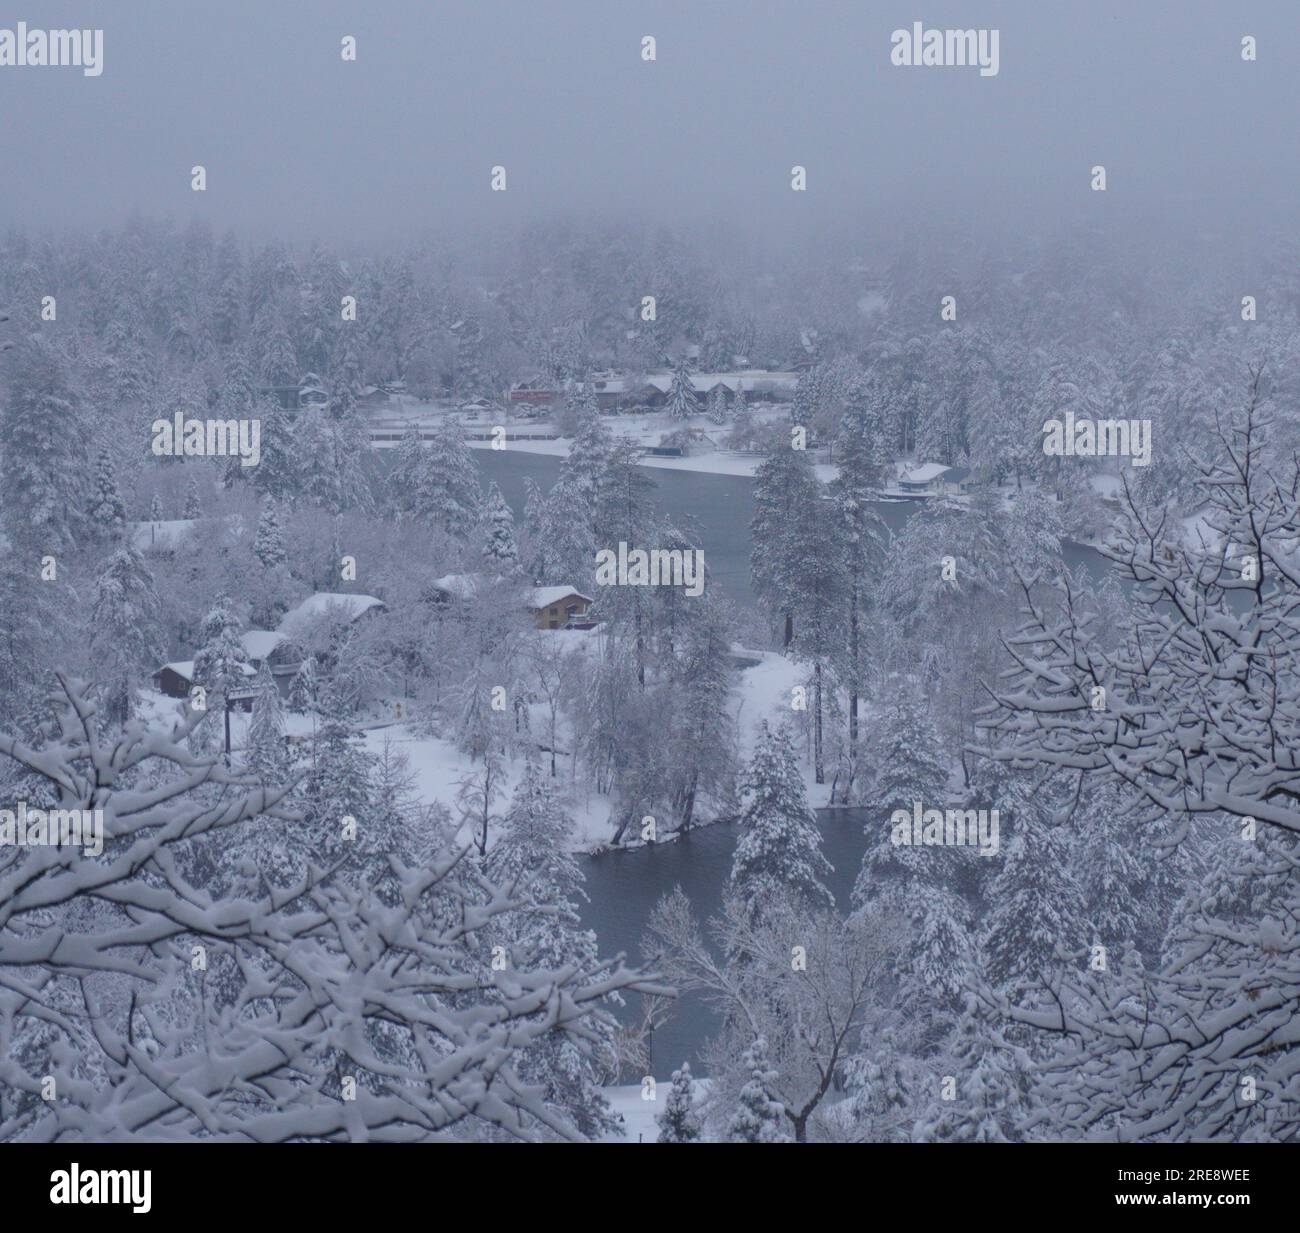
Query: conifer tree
{"points": [[438, 482], [156, 508], [909, 769], [220, 664], [193, 504], [107, 513], [1037, 906], [740, 405], [862, 540], [759, 1117], [268, 543], [682, 402], [266, 753], [42, 450], [337, 796], [304, 689], [500, 550], [127, 636], [993, 1085], [678, 1123], [717, 404], [276, 474], [1111, 870], [778, 855], [279, 360], [532, 854], [784, 489], [315, 450]]}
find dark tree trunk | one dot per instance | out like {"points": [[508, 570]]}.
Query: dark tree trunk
{"points": [[819, 769]]}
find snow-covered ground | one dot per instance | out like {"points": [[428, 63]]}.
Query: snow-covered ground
{"points": [[763, 691], [711, 462], [639, 1125], [638, 1113]]}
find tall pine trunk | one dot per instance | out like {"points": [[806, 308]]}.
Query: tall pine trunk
{"points": [[819, 770], [854, 673]]}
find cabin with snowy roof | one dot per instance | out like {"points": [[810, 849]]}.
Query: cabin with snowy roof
{"points": [[559, 608], [334, 605], [933, 479]]}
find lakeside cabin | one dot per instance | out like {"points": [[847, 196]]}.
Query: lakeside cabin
{"points": [[933, 479], [559, 608]]}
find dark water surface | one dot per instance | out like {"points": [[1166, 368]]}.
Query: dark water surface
{"points": [[625, 886], [714, 509]]}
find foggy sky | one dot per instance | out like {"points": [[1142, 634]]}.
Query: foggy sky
{"points": [[299, 144]]}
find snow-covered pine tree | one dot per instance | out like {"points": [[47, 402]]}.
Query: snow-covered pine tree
{"points": [[221, 662], [717, 404], [531, 852], [304, 689], [107, 513], [127, 636], [315, 448], [193, 501], [156, 508], [703, 755], [404, 479], [1111, 870], [863, 540], [1036, 907], [909, 769], [338, 788], [500, 551], [759, 1118], [819, 578], [267, 758], [883, 1088], [268, 542], [276, 474], [810, 395], [679, 1123], [994, 1085], [740, 405], [42, 450], [279, 359], [438, 482], [784, 488], [918, 885], [574, 506], [682, 402], [778, 855], [535, 540]]}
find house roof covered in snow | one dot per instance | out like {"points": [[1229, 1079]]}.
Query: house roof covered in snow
{"points": [[259, 643], [462, 586], [926, 473], [185, 668], [544, 597], [751, 381], [333, 603]]}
